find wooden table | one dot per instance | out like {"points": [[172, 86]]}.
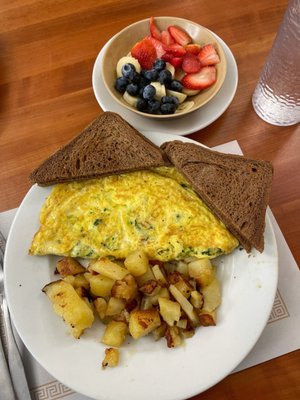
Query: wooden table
{"points": [[48, 49]]}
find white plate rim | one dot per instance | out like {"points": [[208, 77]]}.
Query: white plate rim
{"points": [[179, 126], [176, 391]]}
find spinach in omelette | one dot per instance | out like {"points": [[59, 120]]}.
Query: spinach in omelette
{"points": [[156, 210]]}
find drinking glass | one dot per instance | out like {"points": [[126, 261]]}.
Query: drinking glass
{"points": [[276, 98]]}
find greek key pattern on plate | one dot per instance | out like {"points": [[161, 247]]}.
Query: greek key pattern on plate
{"points": [[50, 391], [279, 310]]}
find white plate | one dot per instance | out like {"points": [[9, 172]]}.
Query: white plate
{"points": [[148, 370], [179, 126]]}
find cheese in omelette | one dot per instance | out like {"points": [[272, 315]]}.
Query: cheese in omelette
{"points": [[156, 210]]}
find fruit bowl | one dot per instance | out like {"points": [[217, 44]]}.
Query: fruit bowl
{"points": [[197, 88]]}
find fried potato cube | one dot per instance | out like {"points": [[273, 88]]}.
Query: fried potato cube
{"points": [[182, 323], [125, 288], [100, 285], [150, 288], [202, 270], [100, 307], [197, 299], [207, 318], [160, 331], [173, 337], [212, 296], [115, 333], [77, 281], [181, 283], [185, 304], [182, 268], [169, 310], [114, 306], [142, 322], [147, 276], [137, 262], [74, 310], [111, 358], [163, 292], [106, 267], [69, 266]]}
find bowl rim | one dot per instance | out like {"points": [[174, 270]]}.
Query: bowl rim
{"points": [[167, 116]]}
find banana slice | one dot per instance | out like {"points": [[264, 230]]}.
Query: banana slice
{"points": [[132, 100], [180, 96], [190, 92], [186, 106], [170, 68], [126, 60], [160, 90], [179, 74]]}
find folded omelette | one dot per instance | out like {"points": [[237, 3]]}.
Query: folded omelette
{"points": [[156, 210]]}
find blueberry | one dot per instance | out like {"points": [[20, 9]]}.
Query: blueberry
{"points": [[121, 84], [136, 78], [149, 92], [159, 64], [165, 77], [132, 89], [151, 74], [143, 82], [168, 108], [175, 101], [153, 106], [176, 85], [141, 104], [128, 70], [166, 99]]}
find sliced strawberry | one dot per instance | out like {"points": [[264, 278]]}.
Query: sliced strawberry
{"points": [[208, 55], [175, 49], [145, 53], [193, 48], [176, 62], [155, 32], [179, 35], [166, 38], [159, 46], [167, 57], [191, 63], [201, 80]]}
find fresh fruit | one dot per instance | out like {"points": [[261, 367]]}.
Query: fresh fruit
{"points": [[170, 68], [144, 52], [149, 92], [159, 64], [176, 86], [121, 84], [159, 47], [141, 105], [160, 90], [168, 108], [180, 96], [151, 74], [153, 106], [186, 106], [193, 48], [176, 50], [155, 32], [176, 62], [208, 55], [127, 60], [200, 80], [191, 63], [132, 89], [166, 38], [132, 100], [179, 35], [128, 71], [165, 77], [190, 92]]}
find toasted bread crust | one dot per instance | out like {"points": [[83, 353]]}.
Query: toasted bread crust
{"points": [[235, 188], [109, 145]]}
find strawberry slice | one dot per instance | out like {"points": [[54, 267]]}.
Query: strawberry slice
{"points": [[176, 62], [166, 38], [155, 32], [200, 80], [175, 49], [179, 35], [191, 63], [145, 53], [193, 48], [158, 45], [208, 55]]}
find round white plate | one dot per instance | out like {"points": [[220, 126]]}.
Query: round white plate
{"points": [[148, 370], [179, 126]]}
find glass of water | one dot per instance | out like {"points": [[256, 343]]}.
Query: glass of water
{"points": [[276, 98]]}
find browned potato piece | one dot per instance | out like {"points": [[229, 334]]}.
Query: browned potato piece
{"points": [[142, 322], [114, 306], [197, 299], [137, 262], [169, 310], [111, 358], [100, 285], [150, 288], [100, 306], [74, 310], [172, 336], [185, 304], [202, 270], [115, 333], [106, 267], [207, 318], [159, 275], [125, 288], [160, 331], [181, 283], [69, 266], [212, 295]]}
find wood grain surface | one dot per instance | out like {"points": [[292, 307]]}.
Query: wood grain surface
{"points": [[47, 52]]}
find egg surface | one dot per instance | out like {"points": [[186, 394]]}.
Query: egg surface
{"points": [[156, 210]]}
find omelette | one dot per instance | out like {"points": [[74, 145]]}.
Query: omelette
{"points": [[156, 210]]}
